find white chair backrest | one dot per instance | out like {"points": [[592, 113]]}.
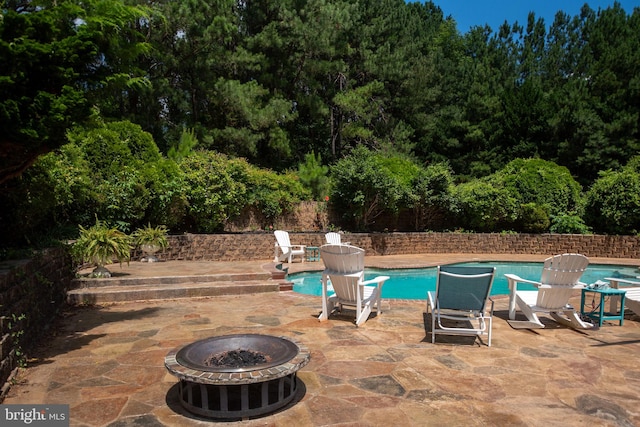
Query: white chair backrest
{"points": [[560, 275], [282, 237], [564, 270], [333, 238], [342, 259], [345, 267]]}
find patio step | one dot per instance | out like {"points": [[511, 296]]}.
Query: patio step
{"points": [[120, 280], [164, 290]]}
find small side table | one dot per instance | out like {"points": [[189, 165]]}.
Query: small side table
{"points": [[313, 253], [601, 315]]}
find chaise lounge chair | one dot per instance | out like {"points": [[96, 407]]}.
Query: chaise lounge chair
{"points": [[461, 298], [344, 267], [287, 250], [631, 297], [560, 278]]}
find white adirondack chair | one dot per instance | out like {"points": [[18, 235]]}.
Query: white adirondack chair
{"points": [[560, 278], [344, 267], [334, 238], [284, 250]]}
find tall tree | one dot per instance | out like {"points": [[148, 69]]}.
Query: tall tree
{"points": [[54, 56]]}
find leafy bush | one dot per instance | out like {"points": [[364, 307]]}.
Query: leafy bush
{"points": [[213, 196], [613, 202], [313, 175], [363, 188], [532, 218], [49, 196], [542, 189], [131, 182], [569, 224], [272, 194], [482, 207], [432, 200]]}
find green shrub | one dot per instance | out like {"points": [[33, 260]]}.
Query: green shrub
{"points": [[313, 175], [132, 184], [613, 202], [532, 218], [53, 193], [363, 188], [482, 207], [541, 182], [272, 194], [568, 224], [541, 189], [432, 199], [213, 196]]}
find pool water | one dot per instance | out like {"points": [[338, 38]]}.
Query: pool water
{"points": [[413, 283]]}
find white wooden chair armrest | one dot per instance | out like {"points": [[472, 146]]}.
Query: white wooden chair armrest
{"points": [[517, 279], [513, 280], [379, 280]]}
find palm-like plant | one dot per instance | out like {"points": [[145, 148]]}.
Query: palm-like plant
{"points": [[101, 244], [151, 239]]}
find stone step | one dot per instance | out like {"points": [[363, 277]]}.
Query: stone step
{"points": [[117, 280], [163, 290]]}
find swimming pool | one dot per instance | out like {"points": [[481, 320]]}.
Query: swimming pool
{"points": [[413, 283]]}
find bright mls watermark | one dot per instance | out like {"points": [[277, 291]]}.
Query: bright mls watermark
{"points": [[34, 415]]}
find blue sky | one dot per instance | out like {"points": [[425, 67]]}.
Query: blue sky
{"points": [[469, 13]]}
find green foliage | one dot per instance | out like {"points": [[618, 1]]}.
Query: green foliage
{"points": [[541, 182], [482, 207], [148, 235], [15, 326], [54, 56], [275, 81], [431, 198], [100, 244], [213, 196], [532, 218], [613, 202], [541, 189], [131, 181], [313, 175], [52, 194], [272, 194], [363, 187], [185, 145], [569, 224], [250, 122]]}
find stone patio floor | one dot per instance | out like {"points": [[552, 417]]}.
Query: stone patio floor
{"points": [[107, 362]]}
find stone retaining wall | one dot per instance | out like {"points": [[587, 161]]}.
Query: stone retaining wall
{"points": [[32, 292], [260, 245]]}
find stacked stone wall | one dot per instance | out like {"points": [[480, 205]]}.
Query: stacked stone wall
{"points": [[260, 245], [32, 292]]}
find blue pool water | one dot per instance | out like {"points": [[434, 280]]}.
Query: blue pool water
{"points": [[413, 283]]}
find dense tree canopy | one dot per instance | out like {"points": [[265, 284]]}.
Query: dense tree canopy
{"points": [[274, 81], [309, 84], [55, 58]]}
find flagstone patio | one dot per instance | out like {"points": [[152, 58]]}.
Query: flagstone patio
{"points": [[107, 363]]}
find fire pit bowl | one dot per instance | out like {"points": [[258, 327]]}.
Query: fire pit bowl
{"points": [[237, 376]]}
